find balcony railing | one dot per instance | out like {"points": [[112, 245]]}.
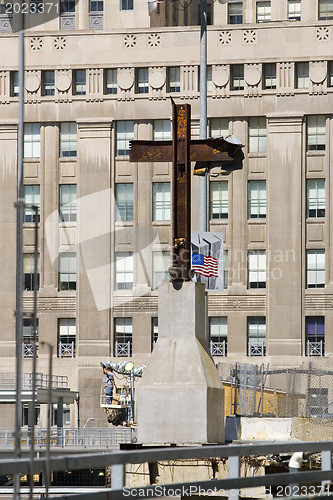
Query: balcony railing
{"points": [[66, 349], [28, 349], [218, 348], [315, 348], [123, 349], [257, 348], [70, 437]]}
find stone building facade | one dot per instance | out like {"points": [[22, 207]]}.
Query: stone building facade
{"points": [[97, 76]]}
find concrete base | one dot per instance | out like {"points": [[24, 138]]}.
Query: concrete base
{"points": [[180, 398]]}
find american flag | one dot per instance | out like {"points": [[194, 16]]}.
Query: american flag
{"points": [[206, 266]]}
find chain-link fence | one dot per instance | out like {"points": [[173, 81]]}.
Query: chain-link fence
{"points": [[259, 390]]}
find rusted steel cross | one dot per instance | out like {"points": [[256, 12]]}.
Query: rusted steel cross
{"points": [[181, 151]]}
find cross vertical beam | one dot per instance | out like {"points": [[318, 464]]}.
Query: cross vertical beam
{"points": [[181, 193]]}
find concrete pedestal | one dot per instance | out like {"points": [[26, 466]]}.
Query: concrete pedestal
{"points": [[180, 398]]}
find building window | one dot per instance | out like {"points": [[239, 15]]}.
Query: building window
{"points": [[14, 84], [256, 336], [154, 331], [225, 269], [218, 199], [29, 271], [96, 6], [67, 202], [173, 78], [25, 414], [316, 133], [256, 199], [209, 75], [161, 264], [29, 337], [218, 331], [161, 201], [126, 4], [325, 10], [110, 76], [257, 135], [66, 337], [124, 201], [60, 417], [315, 189], [219, 127], [67, 6], [237, 76], [123, 337], [32, 140], [315, 268], [162, 130], [315, 335], [257, 269], [294, 9], [263, 11], [124, 271], [68, 139], [269, 79], [67, 271], [125, 133], [330, 73], [31, 198], [142, 80], [302, 75], [48, 86], [235, 13], [79, 82]]}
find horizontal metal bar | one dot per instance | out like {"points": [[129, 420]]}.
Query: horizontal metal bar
{"points": [[99, 460], [214, 485]]}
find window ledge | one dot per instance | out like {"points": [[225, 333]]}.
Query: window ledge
{"points": [[321, 152], [257, 220], [257, 155], [31, 160], [161, 223], [125, 223], [67, 159]]}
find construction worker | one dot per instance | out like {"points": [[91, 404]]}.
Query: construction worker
{"points": [[108, 383]]}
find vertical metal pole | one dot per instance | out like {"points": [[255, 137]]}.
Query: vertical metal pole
{"points": [[132, 395], [233, 473], [49, 416], [203, 112], [19, 251], [34, 359], [326, 464]]}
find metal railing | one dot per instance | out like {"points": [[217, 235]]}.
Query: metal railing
{"points": [[66, 350], [232, 485], [123, 349], [218, 348], [27, 350], [91, 437], [315, 348], [256, 348], [8, 381]]}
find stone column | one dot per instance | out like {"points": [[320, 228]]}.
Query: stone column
{"points": [[8, 148], [285, 236], [94, 238], [180, 398]]}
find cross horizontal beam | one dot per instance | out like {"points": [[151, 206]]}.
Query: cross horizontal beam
{"points": [[200, 150]]}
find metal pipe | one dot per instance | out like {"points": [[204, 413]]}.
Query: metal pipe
{"points": [[34, 357], [203, 113], [132, 395], [19, 249], [48, 434]]}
